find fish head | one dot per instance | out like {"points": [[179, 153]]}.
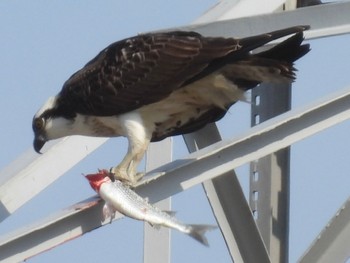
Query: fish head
{"points": [[97, 179]]}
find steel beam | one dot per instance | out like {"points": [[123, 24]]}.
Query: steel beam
{"points": [[227, 201], [333, 243], [57, 229], [321, 18], [31, 173], [156, 245], [224, 193], [269, 176], [229, 9], [205, 164], [29, 168]]}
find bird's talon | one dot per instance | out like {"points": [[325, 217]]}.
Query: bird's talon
{"points": [[139, 176], [129, 178], [111, 174]]}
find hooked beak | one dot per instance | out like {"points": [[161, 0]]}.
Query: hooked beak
{"points": [[38, 143]]}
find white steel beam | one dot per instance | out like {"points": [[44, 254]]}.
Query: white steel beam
{"points": [[31, 173], [224, 193], [229, 9], [227, 200], [269, 176], [333, 243], [31, 168], [321, 18], [156, 245], [205, 164], [52, 231]]}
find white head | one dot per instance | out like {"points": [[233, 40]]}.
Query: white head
{"points": [[50, 122]]}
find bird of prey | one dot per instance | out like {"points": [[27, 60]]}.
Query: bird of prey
{"points": [[156, 85]]}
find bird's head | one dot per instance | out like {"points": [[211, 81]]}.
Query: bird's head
{"points": [[96, 180], [50, 123], [39, 133]]}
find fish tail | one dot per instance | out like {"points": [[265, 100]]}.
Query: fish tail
{"points": [[198, 232]]}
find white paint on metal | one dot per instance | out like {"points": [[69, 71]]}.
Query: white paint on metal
{"points": [[205, 164], [321, 18], [271, 136], [49, 234], [31, 173], [333, 243], [227, 200], [252, 7], [269, 191], [52, 231], [28, 168], [229, 9], [157, 241]]}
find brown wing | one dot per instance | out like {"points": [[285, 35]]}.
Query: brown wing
{"points": [[141, 70], [147, 68], [278, 59]]}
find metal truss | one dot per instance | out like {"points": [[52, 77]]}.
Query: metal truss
{"points": [[158, 239], [30, 167], [332, 245], [325, 20], [227, 200], [205, 164], [213, 166]]}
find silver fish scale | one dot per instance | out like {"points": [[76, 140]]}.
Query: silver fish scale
{"points": [[119, 197], [126, 201]]}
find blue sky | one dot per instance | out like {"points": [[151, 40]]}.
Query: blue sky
{"points": [[44, 42]]}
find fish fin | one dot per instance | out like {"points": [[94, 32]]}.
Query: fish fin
{"points": [[108, 212], [198, 233]]}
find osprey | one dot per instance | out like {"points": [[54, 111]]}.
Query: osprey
{"points": [[156, 85]]}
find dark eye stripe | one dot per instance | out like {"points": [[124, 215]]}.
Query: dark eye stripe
{"points": [[38, 124]]}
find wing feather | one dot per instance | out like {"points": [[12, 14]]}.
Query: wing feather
{"points": [[147, 68], [140, 70]]}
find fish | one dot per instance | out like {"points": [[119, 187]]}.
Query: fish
{"points": [[118, 196]]}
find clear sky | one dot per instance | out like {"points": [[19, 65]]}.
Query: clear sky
{"points": [[44, 42]]}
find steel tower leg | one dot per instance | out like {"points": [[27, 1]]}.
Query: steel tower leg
{"points": [[157, 242], [230, 206], [269, 176]]}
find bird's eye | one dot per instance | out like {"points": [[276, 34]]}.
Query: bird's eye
{"points": [[38, 124]]}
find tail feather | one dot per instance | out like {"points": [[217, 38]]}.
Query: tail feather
{"points": [[198, 233], [272, 66], [289, 50], [253, 42]]}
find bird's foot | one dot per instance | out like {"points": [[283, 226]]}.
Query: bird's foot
{"points": [[139, 176], [122, 175]]}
